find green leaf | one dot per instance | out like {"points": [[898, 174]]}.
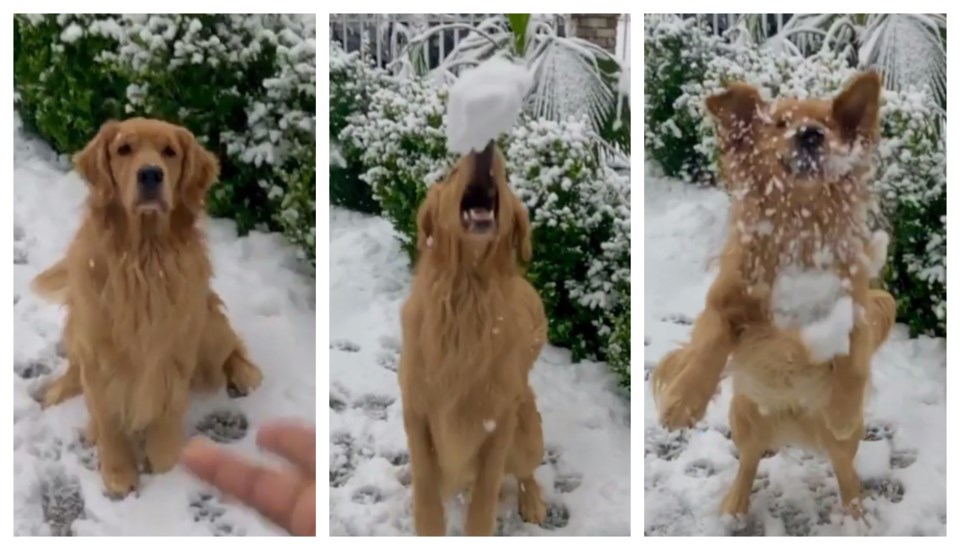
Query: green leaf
{"points": [[518, 24]]}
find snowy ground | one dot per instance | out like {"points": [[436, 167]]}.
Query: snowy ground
{"points": [[586, 470], [57, 488], [902, 460]]}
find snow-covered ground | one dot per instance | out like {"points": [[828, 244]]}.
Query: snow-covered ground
{"points": [[270, 302], [586, 470], [902, 460]]}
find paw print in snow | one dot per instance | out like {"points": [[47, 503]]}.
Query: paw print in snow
{"points": [[62, 502], [223, 426]]}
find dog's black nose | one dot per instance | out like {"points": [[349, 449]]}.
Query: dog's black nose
{"points": [[810, 137], [149, 178]]}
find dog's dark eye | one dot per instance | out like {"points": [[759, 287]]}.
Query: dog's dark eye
{"points": [[123, 150], [781, 124], [169, 152]]}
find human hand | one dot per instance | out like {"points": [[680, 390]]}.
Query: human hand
{"points": [[286, 497]]}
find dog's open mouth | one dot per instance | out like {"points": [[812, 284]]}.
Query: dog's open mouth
{"points": [[478, 209]]}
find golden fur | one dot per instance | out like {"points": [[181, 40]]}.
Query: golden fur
{"points": [[143, 324], [791, 210], [472, 328]]}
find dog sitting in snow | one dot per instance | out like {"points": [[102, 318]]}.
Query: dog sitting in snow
{"points": [[143, 325], [791, 308], [472, 328]]}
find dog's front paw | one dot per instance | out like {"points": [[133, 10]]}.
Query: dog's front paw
{"points": [[120, 475], [683, 403], [532, 507]]}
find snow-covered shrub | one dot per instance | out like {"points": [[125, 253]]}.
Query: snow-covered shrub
{"points": [[579, 207], [912, 182], [580, 213], [676, 52], [244, 84], [618, 346], [910, 177], [352, 81], [400, 139]]}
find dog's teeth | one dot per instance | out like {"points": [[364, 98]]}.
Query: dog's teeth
{"points": [[481, 214]]}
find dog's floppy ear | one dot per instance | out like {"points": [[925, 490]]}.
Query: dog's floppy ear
{"points": [[857, 108], [427, 218], [93, 163], [200, 169], [521, 231], [735, 110]]}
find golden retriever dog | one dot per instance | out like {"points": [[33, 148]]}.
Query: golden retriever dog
{"points": [[472, 328], [792, 309], [143, 324]]}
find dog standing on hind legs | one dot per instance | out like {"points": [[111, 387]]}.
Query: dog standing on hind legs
{"points": [[794, 275], [472, 328]]}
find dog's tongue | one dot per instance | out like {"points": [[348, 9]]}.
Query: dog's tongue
{"points": [[481, 214]]}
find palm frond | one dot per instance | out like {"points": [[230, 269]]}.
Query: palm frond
{"points": [[569, 84], [909, 50]]}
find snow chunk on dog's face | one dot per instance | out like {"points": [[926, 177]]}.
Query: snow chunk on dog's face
{"points": [[804, 144]]}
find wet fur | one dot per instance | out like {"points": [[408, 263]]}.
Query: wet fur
{"points": [[143, 324], [472, 328], [781, 394]]}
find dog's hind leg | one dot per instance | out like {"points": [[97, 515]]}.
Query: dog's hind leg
{"points": [[242, 375], [842, 454], [223, 359], [750, 438], [65, 387]]}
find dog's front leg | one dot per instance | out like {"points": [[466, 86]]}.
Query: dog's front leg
{"points": [[118, 463], [428, 518], [164, 436], [482, 513], [686, 379]]}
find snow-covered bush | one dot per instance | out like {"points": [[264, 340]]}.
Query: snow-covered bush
{"points": [[910, 177], [244, 84], [352, 81], [676, 52], [399, 138], [579, 207], [911, 180], [618, 346], [580, 213]]}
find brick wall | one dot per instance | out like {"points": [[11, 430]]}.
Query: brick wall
{"points": [[599, 28]]}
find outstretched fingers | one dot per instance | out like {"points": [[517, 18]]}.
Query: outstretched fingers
{"points": [[285, 497]]}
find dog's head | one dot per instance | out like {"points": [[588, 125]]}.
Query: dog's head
{"points": [[802, 143], [474, 214], [148, 167]]}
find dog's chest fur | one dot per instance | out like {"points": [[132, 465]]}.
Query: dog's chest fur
{"points": [[143, 329], [805, 257]]}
